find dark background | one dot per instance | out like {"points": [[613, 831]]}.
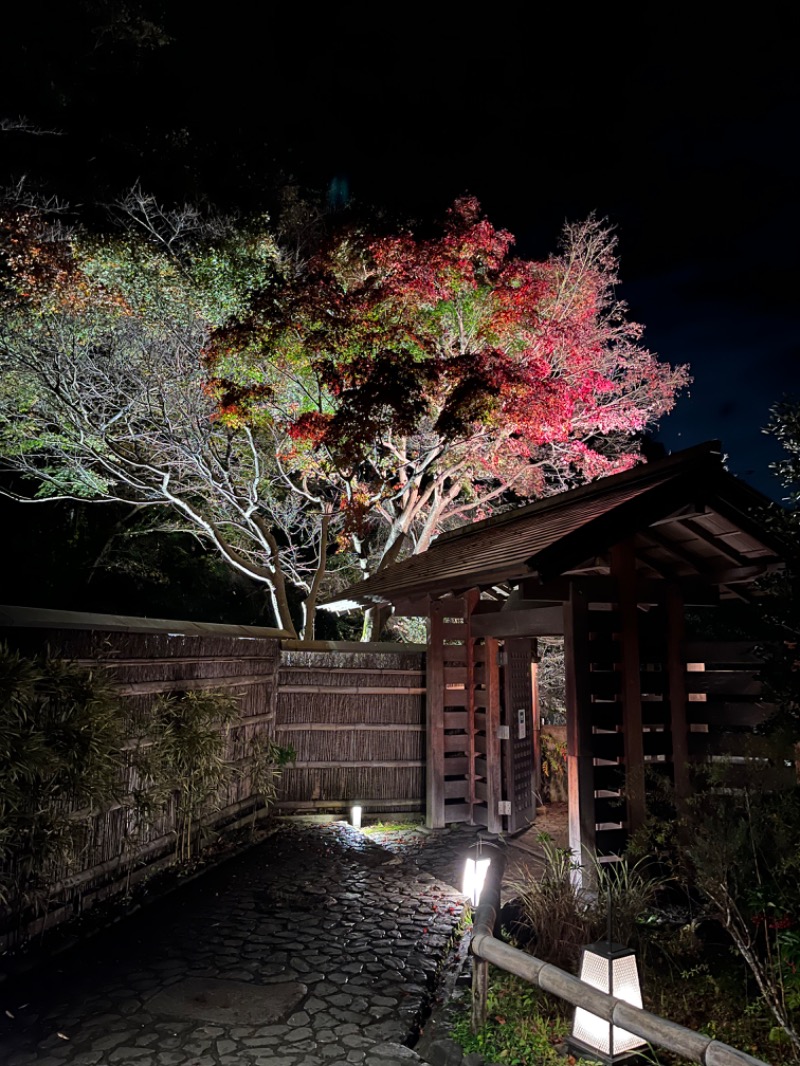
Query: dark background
{"points": [[678, 127]]}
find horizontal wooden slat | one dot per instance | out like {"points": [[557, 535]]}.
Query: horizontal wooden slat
{"points": [[456, 742], [720, 651], [606, 715], [454, 631], [457, 765], [455, 675], [458, 789], [457, 812], [349, 765], [610, 841], [605, 686], [173, 660], [657, 743], [481, 791], [289, 668], [190, 684], [352, 690], [724, 682], [455, 720], [607, 745], [726, 712], [609, 809], [608, 778], [375, 727], [480, 767]]}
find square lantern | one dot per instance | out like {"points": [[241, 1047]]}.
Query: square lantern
{"points": [[475, 871], [611, 968]]}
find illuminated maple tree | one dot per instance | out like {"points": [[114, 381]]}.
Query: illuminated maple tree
{"points": [[422, 383], [332, 413]]}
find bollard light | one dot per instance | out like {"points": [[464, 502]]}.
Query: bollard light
{"points": [[611, 968], [355, 817], [475, 870]]}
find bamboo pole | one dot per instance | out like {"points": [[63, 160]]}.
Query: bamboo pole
{"points": [[650, 1027]]}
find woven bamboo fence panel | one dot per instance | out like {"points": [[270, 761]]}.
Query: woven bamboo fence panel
{"points": [[144, 666], [357, 722]]}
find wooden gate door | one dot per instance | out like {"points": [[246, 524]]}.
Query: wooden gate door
{"points": [[518, 734], [463, 760]]}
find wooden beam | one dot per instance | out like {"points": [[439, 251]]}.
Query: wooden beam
{"points": [[697, 563], [538, 622], [689, 511], [716, 543], [412, 607], [603, 590], [736, 574]]}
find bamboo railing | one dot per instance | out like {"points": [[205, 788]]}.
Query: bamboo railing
{"points": [[486, 949]]}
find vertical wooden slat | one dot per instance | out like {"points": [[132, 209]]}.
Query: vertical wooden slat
{"points": [[676, 681], [434, 733], [623, 569], [580, 757], [493, 766]]}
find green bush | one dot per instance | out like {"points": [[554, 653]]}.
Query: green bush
{"points": [[563, 919], [60, 751]]}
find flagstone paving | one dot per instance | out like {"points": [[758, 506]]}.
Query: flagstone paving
{"points": [[317, 947]]}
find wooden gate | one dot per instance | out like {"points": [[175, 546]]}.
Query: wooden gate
{"points": [[480, 741]]}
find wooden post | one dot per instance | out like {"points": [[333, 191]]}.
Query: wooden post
{"points": [[580, 756], [434, 734], [623, 568], [676, 681], [471, 599], [480, 992], [536, 739]]}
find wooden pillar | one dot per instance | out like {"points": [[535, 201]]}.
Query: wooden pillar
{"points": [[623, 568], [676, 682], [471, 600], [494, 769], [480, 992], [536, 738], [580, 756], [434, 728]]}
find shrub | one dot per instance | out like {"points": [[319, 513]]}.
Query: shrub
{"points": [[60, 749]]}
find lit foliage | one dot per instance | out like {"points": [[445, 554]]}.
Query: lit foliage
{"points": [[425, 382], [363, 401]]}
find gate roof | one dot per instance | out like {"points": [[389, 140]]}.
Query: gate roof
{"points": [[688, 517]]}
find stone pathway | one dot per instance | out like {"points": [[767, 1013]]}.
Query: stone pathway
{"points": [[318, 947]]}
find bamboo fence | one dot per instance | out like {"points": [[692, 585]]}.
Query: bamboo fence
{"points": [[357, 722], [121, 848]]}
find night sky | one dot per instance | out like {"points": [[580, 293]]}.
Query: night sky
{"points": [[682, 134]]}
